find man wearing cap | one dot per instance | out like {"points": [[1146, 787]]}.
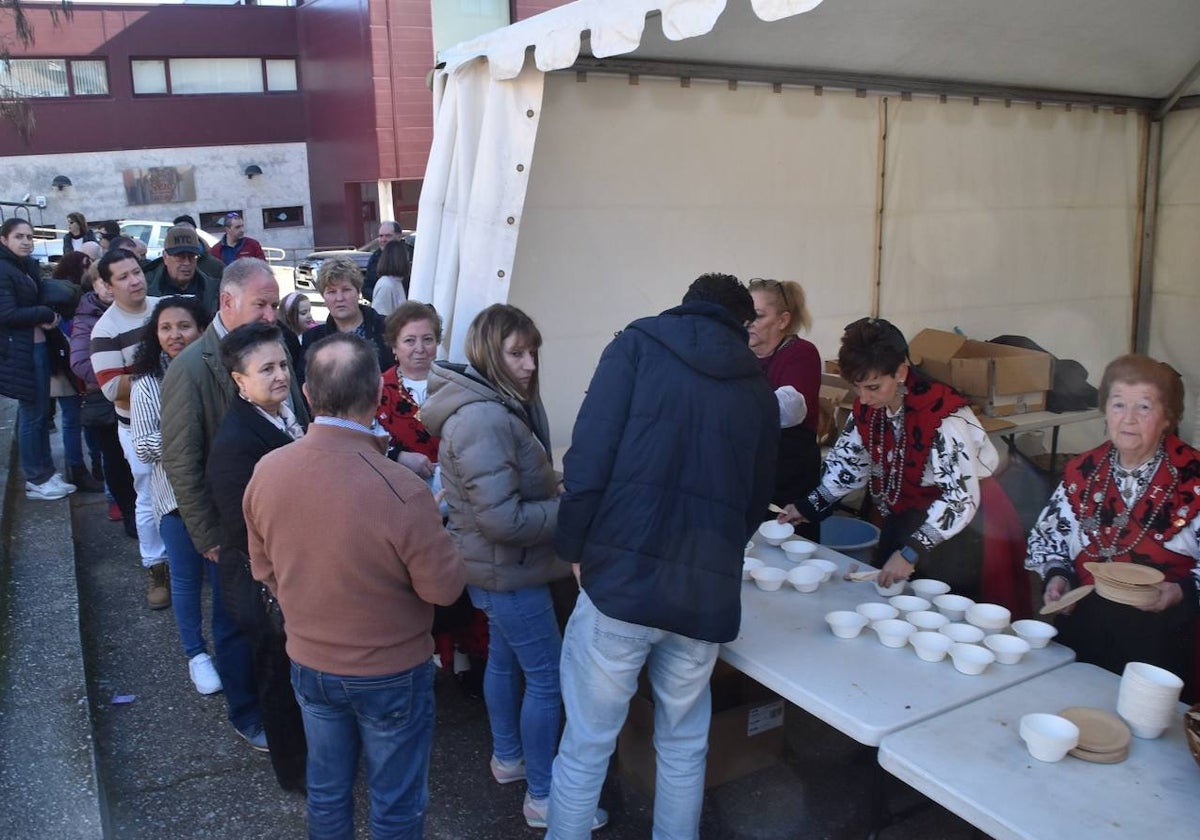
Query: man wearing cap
{"points": [[207, 263], [179, 274], [235, 243]]}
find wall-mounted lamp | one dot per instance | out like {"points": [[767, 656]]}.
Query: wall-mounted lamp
{"points": [[252, 170], [60, 182]]}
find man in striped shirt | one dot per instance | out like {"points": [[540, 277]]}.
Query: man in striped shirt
{"points": [[114, 341]]}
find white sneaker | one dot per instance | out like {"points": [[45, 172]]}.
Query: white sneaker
{"points": [[46, 491], [204, 675], [534, 811], [505, 772], [63, 483]]}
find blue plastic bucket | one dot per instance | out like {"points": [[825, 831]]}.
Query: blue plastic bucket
{"points": [[852, 537]]}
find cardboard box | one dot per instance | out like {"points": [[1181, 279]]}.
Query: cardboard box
{"points": [[745, 735], [1003, 380]]}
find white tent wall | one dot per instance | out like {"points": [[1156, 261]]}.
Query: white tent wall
{"points": [[1175, 304], [1003, 220], [638, 189]]}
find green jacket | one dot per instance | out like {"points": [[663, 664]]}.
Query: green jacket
{"points": [[158, 284], [196, 392]]}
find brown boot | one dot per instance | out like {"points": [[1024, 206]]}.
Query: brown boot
{"points": [[158, 587]]}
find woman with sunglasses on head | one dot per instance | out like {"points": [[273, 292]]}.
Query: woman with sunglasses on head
{"points": [[793, 368], [925, 460]]}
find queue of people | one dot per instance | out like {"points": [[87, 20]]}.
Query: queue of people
{"points": [[207, 407]]}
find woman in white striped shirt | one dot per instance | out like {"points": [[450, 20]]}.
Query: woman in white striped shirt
{"points": [[176, 322]]}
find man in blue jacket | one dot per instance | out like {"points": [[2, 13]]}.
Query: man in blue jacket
{"points": [[671, 463]]}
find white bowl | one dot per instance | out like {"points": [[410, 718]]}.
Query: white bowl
{"points": [[804, 578], [927, 620], [990, 617], [908, 603], [932, 647], [749, 564], [827, 567], [1048, 737], [875, 611], [888, 591], [968, 634], [929, 589], [893, 632], [775, 533], [1008, 649], [846, 624], [954, 607], [768, 578], [971, 659], [797, 550], [1037, 633]]}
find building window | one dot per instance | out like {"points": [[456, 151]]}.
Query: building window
{"points": [[184, 76], [214, 222], [278, 217], [41, 78]]}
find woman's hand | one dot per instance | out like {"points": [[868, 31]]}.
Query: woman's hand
{"points": [[894, 570], [1055, 590], [1169, 594], [790, 514], [418, 463]]}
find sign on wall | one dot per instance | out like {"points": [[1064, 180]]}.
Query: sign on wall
{"points": [[160, 184]]}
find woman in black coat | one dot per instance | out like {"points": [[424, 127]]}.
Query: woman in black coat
{"points": [[25, 360], [257, 422]]}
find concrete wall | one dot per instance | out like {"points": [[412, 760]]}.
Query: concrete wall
{"points": [[98, 191]]}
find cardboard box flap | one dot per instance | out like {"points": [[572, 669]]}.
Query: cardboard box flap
{"points": [[933, 351]]}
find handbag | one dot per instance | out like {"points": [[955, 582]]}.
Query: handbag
{"points": [[60, 295], [96, 411]]}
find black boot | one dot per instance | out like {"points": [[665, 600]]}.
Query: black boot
{"points": [[81, 478]]}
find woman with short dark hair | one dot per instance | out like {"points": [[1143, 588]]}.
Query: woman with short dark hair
{"points": [[77, 233], [391, 289]]}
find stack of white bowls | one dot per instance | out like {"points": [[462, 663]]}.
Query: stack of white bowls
{"points": [[1148, 698]]}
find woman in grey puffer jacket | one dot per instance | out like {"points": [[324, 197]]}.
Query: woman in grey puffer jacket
{"points": [[503, 498]]}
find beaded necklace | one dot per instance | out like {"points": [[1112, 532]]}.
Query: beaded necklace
{"points": [[887, 468], [1097, 490]]}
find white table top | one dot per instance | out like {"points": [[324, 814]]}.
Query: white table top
{"points": [[973, 762], [858, 686]]}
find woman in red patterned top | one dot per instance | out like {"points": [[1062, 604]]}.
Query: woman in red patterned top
{"points": [[413, 332]]}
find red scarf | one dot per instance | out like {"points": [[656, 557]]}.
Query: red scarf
{"points": [[1167, 506], [926, 404]]}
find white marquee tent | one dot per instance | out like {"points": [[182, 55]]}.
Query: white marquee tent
{"points": [[1027, 166]]}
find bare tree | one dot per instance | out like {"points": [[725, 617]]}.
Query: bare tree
{"points": [[15, 108]]}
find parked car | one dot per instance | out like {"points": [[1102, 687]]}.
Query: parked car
{"points": [[155, 233], [47, 248], [306, 269]]}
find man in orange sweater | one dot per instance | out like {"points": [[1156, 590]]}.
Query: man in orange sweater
{"points": [[357, 574]]}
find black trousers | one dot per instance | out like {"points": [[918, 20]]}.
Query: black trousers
{"points": [[243, 598], [116, 469], [958, 561]]}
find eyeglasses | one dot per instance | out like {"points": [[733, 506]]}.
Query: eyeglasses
{"points": [[186, 256], [757, 283]]}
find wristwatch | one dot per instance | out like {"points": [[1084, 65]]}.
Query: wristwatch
{"points": [[910, 554]]}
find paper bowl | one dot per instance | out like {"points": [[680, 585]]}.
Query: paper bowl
{"points": [[932, 647], [846, 624], [827, 567], [797, 550], [749, 564], [927, 620], [1037, 633], [888, 591], [971, 659], [967, 634], [768, 578], [893, 632], [928, 589], [874, 611], [775, 533], [990, 617], [1008, 649], [954, 607], [804, 578], [1048, 737], [908, 603]]}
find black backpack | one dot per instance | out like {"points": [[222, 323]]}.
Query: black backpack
{"points": [[1069, 389]]}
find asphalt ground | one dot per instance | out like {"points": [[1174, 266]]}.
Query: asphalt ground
{"points": [[170, 766]]}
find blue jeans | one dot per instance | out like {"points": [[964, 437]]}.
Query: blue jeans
{"points": [[33, 422], [72, 431], [600, 664], [233, 658], [523, 639], [390, 720]]}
